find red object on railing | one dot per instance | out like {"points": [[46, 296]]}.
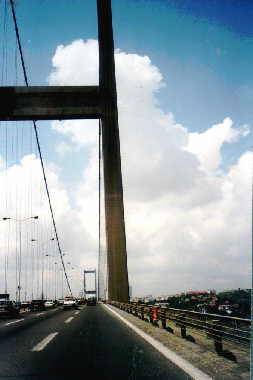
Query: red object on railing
{"points": [[154, 313]]}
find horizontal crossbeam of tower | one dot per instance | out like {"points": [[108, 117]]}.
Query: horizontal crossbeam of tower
{"points": [[50, 102]]}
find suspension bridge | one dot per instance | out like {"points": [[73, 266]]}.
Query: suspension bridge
{"points": [[34, 264]]}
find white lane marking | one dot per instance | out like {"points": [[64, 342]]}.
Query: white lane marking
{"points": [[77, 312], [40, 346], [39, 314], [69, 319], [10, 323], [196, 373]]}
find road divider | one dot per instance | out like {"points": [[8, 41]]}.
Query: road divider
{"points": [[40, 346]]}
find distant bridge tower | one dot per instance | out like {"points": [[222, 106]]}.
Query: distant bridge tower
{"points": [[94, 291]]}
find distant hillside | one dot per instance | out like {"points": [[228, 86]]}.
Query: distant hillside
{"points": [[236, 303], [240, 297]]}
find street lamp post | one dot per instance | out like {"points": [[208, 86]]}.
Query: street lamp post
{"points": [[42, 275], [50, 268], [42, 269], [20, 250], [55, 281], [61, 270]]}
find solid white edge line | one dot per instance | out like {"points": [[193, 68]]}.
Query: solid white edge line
{"points": [[10, 323], [40, 346], [195, 373], [69, 319]]}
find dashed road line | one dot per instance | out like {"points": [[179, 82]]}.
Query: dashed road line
{"points": [[77, 312], [39, 314], [10, 323], [69, 319], [40, 346]]}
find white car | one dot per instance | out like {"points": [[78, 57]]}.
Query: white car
{"points": [[69, 303], [49, 304]]}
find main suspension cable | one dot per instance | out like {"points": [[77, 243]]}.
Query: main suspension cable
{"points": [[38, 144]]}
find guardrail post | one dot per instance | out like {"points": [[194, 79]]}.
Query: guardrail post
{"points": [[216, 335], [163, 314], [183, 332], [218, 341], [183, 328], [151, 314], [142, 313]]}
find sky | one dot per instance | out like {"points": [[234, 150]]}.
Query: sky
{"points": [[185, 94]]}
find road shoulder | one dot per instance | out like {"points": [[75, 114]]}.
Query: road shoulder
{"points": [[199, 355]]}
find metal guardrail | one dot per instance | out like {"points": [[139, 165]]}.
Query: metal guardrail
{"points": [[217, 327]]}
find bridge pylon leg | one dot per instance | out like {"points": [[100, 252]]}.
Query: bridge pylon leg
{"points": [[118, 287]]}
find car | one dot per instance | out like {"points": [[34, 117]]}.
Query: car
{"points": [[69, 303], [91, 301], [37, 305], [25, 304], [9, 308], [49, 304]]}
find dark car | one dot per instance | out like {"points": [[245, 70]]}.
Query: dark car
{"points": [[91, 301], [25, 305], [37, 305], [9, 308]]}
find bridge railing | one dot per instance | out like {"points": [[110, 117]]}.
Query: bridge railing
{"points": [[217, 327]]}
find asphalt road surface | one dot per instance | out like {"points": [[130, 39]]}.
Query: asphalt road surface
{"points": [[88, 343]]}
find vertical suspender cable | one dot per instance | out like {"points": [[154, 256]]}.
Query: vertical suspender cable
{"points": [[38, 144], [99, 209]]}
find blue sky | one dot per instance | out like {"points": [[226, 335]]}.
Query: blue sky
{"points": [[200, 71], [202, 48]]}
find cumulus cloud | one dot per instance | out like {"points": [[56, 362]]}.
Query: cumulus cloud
{"points": [[62, 148], [24, 196], [187, 220], [86, 64], [187, 223], [207, 145]]}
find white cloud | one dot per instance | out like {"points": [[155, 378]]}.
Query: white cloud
{"points": [[207, 145], [178, 205], [85, 64], [24, 196], [187, 221], [81, 132], [62, 148]]}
